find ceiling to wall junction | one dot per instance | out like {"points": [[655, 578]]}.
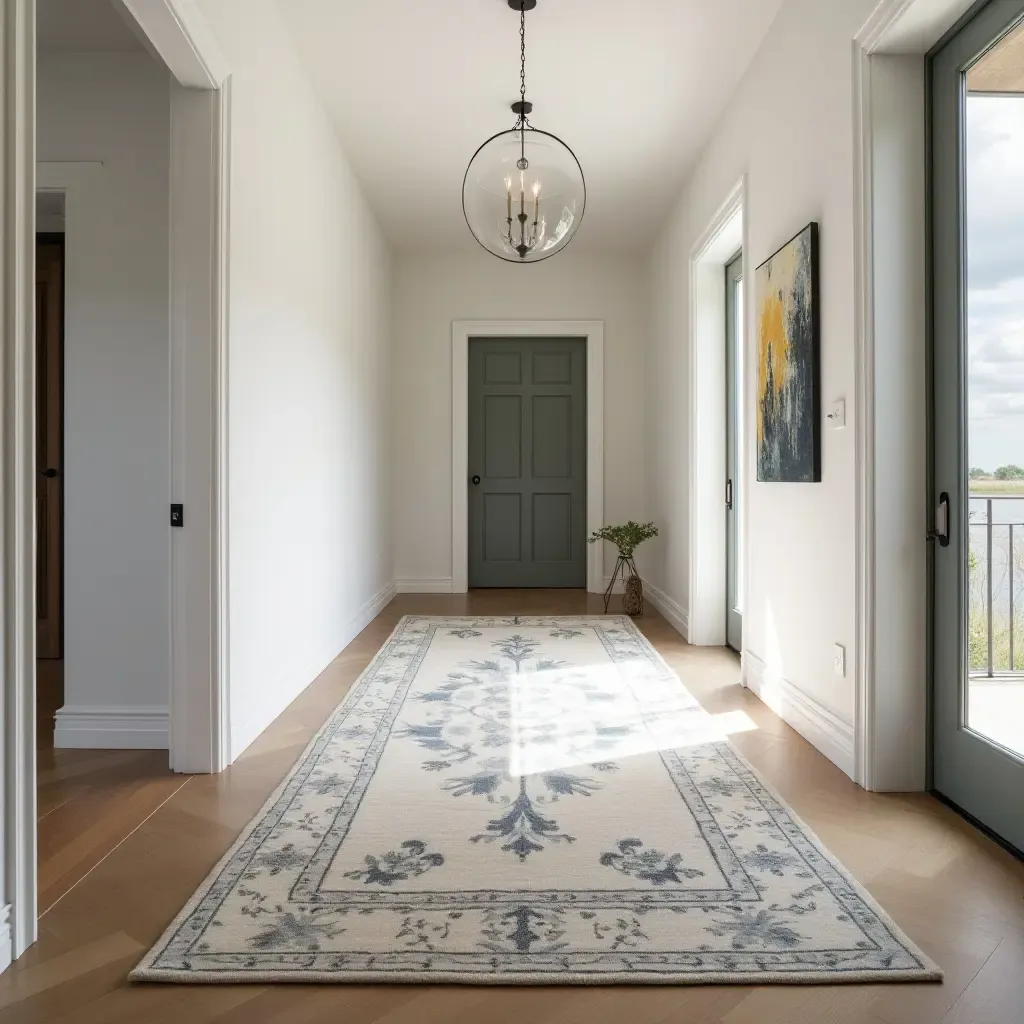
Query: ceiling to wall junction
{"points": [[634, 87]]}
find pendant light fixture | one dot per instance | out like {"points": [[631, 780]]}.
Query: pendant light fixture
{"points": [[524, 193]]}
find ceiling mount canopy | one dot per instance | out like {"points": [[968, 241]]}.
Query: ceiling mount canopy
{"points": [[524, 192]]}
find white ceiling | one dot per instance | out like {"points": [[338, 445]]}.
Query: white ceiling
{"points": [[83, 26], [633, 86]]}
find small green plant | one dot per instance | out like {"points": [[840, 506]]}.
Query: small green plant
{"points": [[627, 537]]}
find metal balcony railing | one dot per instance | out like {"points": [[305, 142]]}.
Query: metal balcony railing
{"points": [[996, 585]]}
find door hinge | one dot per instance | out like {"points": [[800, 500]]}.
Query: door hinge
{"points": [[177, 515], [728, 494]]}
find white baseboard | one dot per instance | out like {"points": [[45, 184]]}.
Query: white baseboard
{"points": [[243, 735], [368, 611], [822, 728], [111, 728], [674, 612], [620, 587], [5, 938], [425, 585]]}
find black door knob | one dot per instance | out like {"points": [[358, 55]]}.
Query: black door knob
{"points": [[476, 481], [49, 473]]}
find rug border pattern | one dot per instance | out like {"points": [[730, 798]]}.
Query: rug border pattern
{"points": [[544, 969]]}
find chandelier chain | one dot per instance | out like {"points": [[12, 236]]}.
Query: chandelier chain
{"points": [[522, 56], [524, 121]]}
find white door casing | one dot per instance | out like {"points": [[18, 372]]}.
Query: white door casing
{"points": [[462, 331], [199, 263]]}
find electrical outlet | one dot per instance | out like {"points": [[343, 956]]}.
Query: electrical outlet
{"points": [[839, 660]]}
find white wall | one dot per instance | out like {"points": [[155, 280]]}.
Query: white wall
{"points": [[114, 109], [789, 128], [310, 539], [433, 291]]}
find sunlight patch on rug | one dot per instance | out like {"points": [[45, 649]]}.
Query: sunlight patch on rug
{"points": [[520, 801]]}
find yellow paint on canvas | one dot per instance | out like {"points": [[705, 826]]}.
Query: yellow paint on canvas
{"points": [[774, 350], [775, 284]]}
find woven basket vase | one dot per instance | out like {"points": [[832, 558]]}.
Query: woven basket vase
{"points": [[633, 597]]}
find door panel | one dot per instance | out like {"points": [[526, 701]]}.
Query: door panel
{"points": [[49, 445], [978, 378], [502, 527], [527, 449], [552, 437], [734, 447], [503, 434], [552, 528]]}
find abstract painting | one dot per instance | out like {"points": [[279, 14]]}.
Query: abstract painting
{"points": [[788, 343]]}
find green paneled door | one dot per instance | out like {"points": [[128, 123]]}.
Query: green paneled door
{"points": [[527, 462]]}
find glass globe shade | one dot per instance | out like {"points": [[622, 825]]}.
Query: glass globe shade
{"points": [[524, 210]]}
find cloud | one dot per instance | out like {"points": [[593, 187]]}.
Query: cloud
{"points": [[995, 273]]}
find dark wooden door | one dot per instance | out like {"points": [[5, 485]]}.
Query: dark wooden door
{"points": [[50, 445], [527, 462]]}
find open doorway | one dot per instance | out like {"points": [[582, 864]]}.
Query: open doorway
{"points": [[49, 322], [129, 112], [102, 438]]}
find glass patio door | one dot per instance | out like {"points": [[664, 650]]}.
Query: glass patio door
{"points": [[978, 416]]}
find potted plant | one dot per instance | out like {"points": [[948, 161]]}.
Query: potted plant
{"points": [[627, 538]]}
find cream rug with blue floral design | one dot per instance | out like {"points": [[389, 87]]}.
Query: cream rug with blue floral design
{"points": [[527, 800]]}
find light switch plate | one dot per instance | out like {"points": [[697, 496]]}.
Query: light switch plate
{"points": [[840, 660], [837, 418]]}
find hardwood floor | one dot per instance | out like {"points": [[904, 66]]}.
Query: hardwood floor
{"points": [[88, 801], [955, 893]]}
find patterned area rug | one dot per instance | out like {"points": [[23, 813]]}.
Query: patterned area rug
{"points": [[527, 800]]}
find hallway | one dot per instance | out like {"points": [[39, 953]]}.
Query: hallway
{"points": [[955, 893]]}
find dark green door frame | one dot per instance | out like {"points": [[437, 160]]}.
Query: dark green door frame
{"points": [[979, 777]]}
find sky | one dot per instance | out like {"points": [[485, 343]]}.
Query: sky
{"points": [[995, 277]]}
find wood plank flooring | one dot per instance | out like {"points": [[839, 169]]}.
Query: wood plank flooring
{"points": [[955, 893], [88, 801]]}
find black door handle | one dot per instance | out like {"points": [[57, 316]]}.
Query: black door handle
{"points": [[476, 481], [49, 473], [940, 531]]}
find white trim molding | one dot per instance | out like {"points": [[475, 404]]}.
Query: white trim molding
{"points": [[891, 741], [368, 611], [674, 612], [199, 285], [17, 458], [178, 33], [822, 728], [424, 585], [723, 237], [244, 733], [462, 331], [6, 954], [864, 393], [111, 728]]}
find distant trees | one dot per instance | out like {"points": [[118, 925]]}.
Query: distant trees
{"points": [[1010, 472]]}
